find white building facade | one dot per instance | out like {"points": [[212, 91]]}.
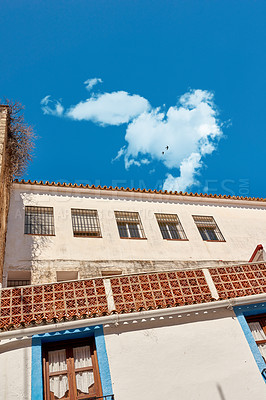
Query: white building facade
{"points": [[98, 231], [114, 293]]}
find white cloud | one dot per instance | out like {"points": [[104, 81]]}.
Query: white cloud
{"points": [[188, 171], [109, 108], [190, 130], [92, 82], [57, 109], [179, 137]]}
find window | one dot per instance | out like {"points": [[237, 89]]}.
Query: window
{"points": [[62, 276], [208, 228], [85, 223], [170, 227], [70, 370], [111, 272], [257, 325], [18, 282], [129, 225], [18, 278], [39, 220]]}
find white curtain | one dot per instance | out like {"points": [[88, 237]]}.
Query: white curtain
{"points": [[258, 334], [82, 358], [57, 362]]}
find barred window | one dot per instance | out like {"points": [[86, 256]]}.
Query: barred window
{"points": [[208, 228], [129, 225], [14, 282], [39, 220], [170, 227], [18, 278], [85, 223]]}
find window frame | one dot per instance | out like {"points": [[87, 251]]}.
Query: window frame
{"points": [[175, 221], [128, 221], [39, 213], [255, 311], [84, 235], [212, 225], [70, 372], [261, 319]]}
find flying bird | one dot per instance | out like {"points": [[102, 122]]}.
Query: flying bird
{"points": [[167, 147], [162, 152]]}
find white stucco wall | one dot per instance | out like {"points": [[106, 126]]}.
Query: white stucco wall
{"points": [[243, 225], [15, 370], [189, 358]]}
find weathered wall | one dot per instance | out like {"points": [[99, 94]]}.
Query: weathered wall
{"points": [[15, 370], [4, 190], [186, 357], [243, 225]]}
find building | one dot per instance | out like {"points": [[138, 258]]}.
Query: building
{"points": [[125, 294]]}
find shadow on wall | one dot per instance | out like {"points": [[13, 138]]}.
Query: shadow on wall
{"points": [[16, 361], [220, 391], [23, 248]]}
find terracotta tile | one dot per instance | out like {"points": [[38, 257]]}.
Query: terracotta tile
{"points": [[144, 278], [174, 284], [172, 275], [16, 301], [115, 282], [163, 277], [145, 286], [5, 311], [183, 282], [134, 279], [5, 301], [6, 293], [165, 285], [124, 281], [100, 290]]}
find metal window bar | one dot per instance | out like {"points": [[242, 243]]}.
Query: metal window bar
{"points": [[208, 228], [39, 220], [171, 227], [17, 282], [129, 224], [85, 223], [108, 397]]}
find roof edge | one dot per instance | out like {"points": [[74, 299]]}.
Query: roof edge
{"points": [[133, 190]]}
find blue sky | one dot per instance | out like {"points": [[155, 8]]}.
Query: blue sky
{"points": [[185, 74]]}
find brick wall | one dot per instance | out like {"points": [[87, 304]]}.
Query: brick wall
{"points": [[4, 188]]}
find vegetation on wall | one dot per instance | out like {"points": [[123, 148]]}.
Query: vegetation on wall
{"points": [[20, 143]]}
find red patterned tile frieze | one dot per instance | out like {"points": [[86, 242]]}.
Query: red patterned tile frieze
{"points": [[53, 302], [238, 281], [164, 289], [87, 298]]}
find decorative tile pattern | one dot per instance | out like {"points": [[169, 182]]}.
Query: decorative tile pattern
{"points": [[159, 290], [50, 303], [31, 305], [240, 280]]}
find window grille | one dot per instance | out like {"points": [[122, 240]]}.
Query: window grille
{"points": [[129, 225], [85, 223], [17, 282], [170, 227], [208, 228], [39, 220]]}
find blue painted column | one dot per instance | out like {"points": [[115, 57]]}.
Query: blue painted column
{"points": [[103, 361], [36, 369]]}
